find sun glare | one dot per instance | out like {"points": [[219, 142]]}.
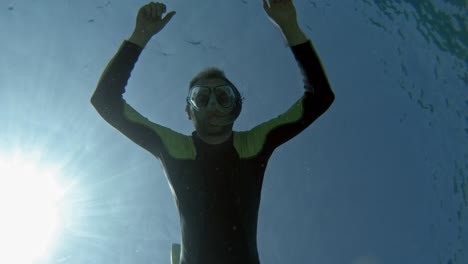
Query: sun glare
{"points": [[29, 214]]}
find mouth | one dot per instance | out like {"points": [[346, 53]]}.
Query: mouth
{"points": [[214, 115]]}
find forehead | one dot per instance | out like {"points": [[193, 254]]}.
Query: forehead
{"points": [[211, 82]]}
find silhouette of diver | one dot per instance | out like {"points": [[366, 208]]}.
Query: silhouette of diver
{"points": [[215, 173]]}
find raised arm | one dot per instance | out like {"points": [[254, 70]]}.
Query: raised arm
{"points": [[107, 98], [317, 97]]}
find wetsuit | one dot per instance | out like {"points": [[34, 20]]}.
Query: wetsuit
{"points": [[216, 187]]}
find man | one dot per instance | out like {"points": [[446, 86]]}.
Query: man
{"points": [[215, 173]]}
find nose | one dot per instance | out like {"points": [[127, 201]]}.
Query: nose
{"points": [[211, 102]]}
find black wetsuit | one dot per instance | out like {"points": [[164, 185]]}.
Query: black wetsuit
{"points": [[216, 187]]}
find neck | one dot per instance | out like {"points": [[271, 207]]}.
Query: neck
{"points": [[214, 139]]}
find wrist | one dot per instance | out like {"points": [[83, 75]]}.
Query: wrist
{"points": [[293, 34], [139, 38]]}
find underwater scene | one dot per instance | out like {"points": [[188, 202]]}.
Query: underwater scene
{"points": [[266, 131]]}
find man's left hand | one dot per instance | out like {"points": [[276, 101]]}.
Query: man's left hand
{"points": [[281, 12]]}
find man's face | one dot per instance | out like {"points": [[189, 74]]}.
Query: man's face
{"points": [[205, 121]]}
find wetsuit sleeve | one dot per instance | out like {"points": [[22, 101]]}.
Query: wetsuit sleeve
{"points": [[317, 98], [108, 101]]}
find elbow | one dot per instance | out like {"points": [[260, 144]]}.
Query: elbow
{"points": [[331, 97], [327, 101], [97, 99], [93, 98], [93, 101], [99, 104]]}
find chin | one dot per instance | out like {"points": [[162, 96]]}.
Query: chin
{"points": [[214, 129]]}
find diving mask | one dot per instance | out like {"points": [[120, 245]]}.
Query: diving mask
{"points": [[221, 98]]}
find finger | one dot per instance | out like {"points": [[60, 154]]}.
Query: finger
{"points": [[160, 9], [141, 12], [147, 11], [151, 11], [168, 16]]}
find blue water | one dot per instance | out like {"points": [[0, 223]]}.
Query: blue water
{"points": [[380, 178]]}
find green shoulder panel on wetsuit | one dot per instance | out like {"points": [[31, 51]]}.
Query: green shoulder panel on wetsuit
{"points": [[250, 143], [179, 146]]}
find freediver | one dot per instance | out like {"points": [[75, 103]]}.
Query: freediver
{"points": [[215, 173]]}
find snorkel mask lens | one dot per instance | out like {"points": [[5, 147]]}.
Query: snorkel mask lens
{"points": [[199, 97]]}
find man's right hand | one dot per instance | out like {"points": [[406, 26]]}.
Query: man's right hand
{"points": [[149, 22]]}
